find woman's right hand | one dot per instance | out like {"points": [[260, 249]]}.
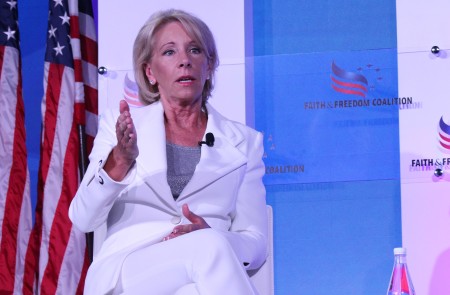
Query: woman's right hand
{"points": [[123, 155], [197, 223]]}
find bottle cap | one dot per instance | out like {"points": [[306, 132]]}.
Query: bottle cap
{"points": [[399, 251]]}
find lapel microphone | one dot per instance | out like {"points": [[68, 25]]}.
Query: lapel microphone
{"points": [[209, 141]]}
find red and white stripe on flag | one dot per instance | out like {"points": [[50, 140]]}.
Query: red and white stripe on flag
{"points": [[56, 261], [15, 203]]}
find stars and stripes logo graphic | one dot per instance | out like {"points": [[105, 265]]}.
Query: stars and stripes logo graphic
{"points": [[444, 135], [131, 91], [348, 82]]}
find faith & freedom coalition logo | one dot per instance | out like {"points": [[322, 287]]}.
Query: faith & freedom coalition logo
{"points": [[359, 89], [438, 164]]}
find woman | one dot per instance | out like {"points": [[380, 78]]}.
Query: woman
{"points": [[180, 214]]}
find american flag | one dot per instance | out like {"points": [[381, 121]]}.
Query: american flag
{"points": [[15, 204], [56, 260]]}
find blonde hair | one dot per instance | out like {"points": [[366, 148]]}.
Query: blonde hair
{"points": [[144, 46]]}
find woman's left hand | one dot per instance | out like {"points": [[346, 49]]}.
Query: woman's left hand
{"points": [[197, 223]]}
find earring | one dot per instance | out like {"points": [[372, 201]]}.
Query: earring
{"points": [[152, 82]]}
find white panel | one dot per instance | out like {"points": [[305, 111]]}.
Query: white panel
{"points": [[425, 78], [425, 204], [423, 24], [120, 21], [426, 235]]}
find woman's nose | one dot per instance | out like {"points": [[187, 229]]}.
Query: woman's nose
{"points": [[185, 61]]}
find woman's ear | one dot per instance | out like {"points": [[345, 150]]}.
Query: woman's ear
{"points": [[149, 74], [211, 67], [208, 72]]}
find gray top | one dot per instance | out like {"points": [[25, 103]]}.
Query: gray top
{"points": [[181, 163]]}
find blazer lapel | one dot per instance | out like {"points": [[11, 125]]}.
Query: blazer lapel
{"points": [[152, 159], [220, 159], [215, 162]]}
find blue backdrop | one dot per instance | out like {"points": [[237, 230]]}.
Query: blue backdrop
{"points": [[325, 84]]}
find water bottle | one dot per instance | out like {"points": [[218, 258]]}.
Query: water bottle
{"points": [[400, 283]]}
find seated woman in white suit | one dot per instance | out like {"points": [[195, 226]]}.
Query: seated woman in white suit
{"points": [[178, 212]]}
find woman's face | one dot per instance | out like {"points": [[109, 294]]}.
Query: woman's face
{"points": [[178, 65]]}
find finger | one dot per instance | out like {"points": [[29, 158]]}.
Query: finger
{"points": [[173, 235], [184, 229], [127, 131], [124, 107], [130, 126], [124, 119], [121, 126], [124, 128], [185, 209], [125, 122], [192, 217], [124, 116], [130, 132]]}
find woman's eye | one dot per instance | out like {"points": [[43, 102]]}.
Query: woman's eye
{"points": [[195, 50], [168, 52]]}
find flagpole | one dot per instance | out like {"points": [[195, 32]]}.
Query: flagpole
{"points": [[82, 164]]}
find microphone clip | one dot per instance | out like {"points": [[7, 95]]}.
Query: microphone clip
{"points": [[209, 140]]}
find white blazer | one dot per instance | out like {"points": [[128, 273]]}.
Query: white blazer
{"points": [[226, 189]]}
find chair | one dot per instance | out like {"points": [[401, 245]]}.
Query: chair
{"points": [[262, 278]]}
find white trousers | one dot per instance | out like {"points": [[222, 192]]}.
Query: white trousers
{"points": [[201, 262]]}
